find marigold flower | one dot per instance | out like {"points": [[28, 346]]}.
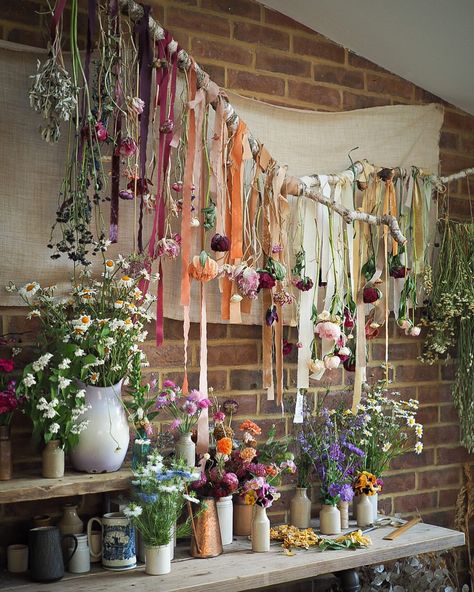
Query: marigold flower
{"points": [[250, 426], [224, 446]]}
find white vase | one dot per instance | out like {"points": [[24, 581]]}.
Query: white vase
{"points": [[329, 519], [103, 444], [260, 530], [186, 449], [157, 560], [344, 509], [225, 513], [364, 511], [300, 509]]}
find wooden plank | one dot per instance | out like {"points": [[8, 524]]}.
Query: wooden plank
{"points": [[239, 569], [33, 487]]}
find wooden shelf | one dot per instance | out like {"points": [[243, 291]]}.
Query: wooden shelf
{"points": [[30, 487]]}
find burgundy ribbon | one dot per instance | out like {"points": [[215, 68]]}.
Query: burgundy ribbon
{"points": [[145, 62]]}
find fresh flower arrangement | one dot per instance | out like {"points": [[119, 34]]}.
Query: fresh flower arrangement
{"points": [[388, 428], [328, 439], [184, 409], [367, 484], [96, 329], [9, 401], [160, 494]]}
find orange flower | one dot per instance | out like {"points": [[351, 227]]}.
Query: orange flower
{"points": [[250, 426], [224, 446], [203, 268], [248, 454]]}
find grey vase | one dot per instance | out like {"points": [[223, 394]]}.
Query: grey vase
{"points": [[45, 554]]}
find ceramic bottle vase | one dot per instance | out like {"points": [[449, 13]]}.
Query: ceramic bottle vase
{"points": [[157, 560], [186, 449], [52, 460], [242, 517], [364, 511], [260, 530], [300, 509], [225, 513], [5, 453], [103, 444], [206, 539], [329, 519]]}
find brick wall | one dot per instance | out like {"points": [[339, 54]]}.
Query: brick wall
{"points": [[264, 54]]}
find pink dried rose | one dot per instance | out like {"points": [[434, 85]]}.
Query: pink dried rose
{"points": [[101, 131], [127, 147], [371, 295], [328, 330], [332, 362]]}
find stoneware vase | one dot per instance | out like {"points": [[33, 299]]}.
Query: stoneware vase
{"points": [[157, 560], [364, 511], [344, 509], [225, 512], [242, 517], [6, 467], [260, 533], [118, 541], [103, 444], [80, 561], [45, 554], [300, 509], [206, 538], [52, 459], [186, 449], [329, 519]]}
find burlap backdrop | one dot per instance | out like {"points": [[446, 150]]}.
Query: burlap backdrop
{"points": [[307, 141]]}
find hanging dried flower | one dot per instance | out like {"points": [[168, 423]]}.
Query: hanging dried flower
{"points": [[220, 243], [203, 268]]}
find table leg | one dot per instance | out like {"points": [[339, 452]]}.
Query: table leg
{"points": [[349, 579]]}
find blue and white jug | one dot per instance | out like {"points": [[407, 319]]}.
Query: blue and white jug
{"points": [[118, 541]]}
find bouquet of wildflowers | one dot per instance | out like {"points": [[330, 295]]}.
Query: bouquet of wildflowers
{"points": [[328, 439], [183, 409], [215, 480], [160, 493], [9, 401], [388, 428], [96, 329]]}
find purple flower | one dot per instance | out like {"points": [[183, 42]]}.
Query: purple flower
{"points": [[220, 243], [346, 493], [271, 316]]}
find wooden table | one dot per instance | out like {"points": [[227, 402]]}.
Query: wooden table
{"points": [[239, 569]]}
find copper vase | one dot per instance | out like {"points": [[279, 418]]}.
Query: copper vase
{"points": [[206, 539], [6, 467]]}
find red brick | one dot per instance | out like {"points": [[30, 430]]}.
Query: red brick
{"points": [[389, 86], [197, 22], [448, 497], [414, 461], [245, 380], [360, 62], [354, 101], [436, 435], [439, 478], [232, 355], [268, 60], [245, 8], [315, 94], [261, 35], [217, 50], [450, 141], [397, 351], [458, 121], [340, 76], [319, 48], [272, 17], [441, 393], [398, 483], [414, 502], [453, 456], [256, 83], [416, 373]]}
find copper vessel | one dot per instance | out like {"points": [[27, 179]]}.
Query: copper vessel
{"points": [[206, 539]]}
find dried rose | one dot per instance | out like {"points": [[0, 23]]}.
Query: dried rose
{"points": [[371, 295], [220, 243]]}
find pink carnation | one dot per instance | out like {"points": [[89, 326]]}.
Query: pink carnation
{"points": [[328, 330]]}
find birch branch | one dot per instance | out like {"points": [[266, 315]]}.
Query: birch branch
{"points": [[135, 12]]}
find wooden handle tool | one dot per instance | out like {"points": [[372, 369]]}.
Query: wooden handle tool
{"points": [[399, 531]]}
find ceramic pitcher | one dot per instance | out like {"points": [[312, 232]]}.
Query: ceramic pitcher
{"points": [[45, 554], [118, 541]]}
